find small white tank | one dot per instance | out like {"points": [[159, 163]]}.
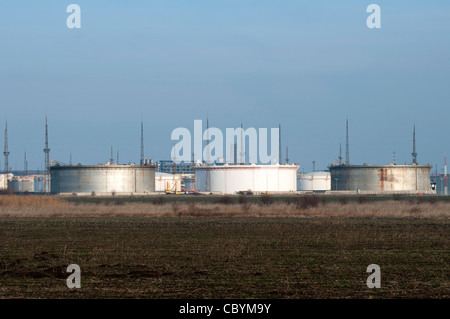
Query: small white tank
{"points": [[22, 184], [315, 181]]}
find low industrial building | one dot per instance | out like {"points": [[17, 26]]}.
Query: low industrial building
{"points": [[168, 166], [439, 182]]}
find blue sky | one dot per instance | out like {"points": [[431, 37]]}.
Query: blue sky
{"points": [[305, 64]]}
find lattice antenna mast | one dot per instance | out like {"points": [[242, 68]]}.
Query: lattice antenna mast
{"points": [[287, 155], [279, 143], [347, 147], [445, 177], [6, 151], [207, 140], [47, 157], [242, 159], [414, 153], [142, 143], [25, 163], [111, 160]]}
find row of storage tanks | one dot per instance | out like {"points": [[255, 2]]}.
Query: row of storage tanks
{"points": [[142, 179], [93, 179], [23, 184], [225, 179], [369, 178]]}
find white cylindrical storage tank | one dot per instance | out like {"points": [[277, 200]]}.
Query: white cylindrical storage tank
{"points": [[189, 183], [315, 181], [230, 179], [4, 178], [22, 184], [109, 179], [39, 184]]}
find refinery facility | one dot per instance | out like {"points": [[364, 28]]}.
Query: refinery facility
{"points": [[170, 177]]}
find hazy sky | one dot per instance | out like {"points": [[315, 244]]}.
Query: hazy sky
{"points": [[305, 64]]}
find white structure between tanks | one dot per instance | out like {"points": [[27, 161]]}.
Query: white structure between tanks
{"points": [[230, 179], [315, 181], [167, 182], [4, 178], [27, 184]]}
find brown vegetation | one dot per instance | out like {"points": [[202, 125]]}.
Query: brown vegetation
{"points": [[306, 207]]}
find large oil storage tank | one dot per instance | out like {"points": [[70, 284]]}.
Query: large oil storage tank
{"points": [[230, 179], [381, 178], [109, 179], [315, 181]]}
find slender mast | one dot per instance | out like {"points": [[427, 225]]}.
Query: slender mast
{"points": [[6, 151]]}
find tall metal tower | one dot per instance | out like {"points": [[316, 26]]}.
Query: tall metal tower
{"points": [[207, 141], [207, 177], [111, 160], [279, 144], [347, 150], [414, 153], [242, 159], [340, 154], [445, 177], [47, 159], [6, 152], [142, 143], [25, 163], [287, 156]]}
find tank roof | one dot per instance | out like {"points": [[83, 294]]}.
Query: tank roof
{"points": [[381, 166], [246, 166], [114, 166]]}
